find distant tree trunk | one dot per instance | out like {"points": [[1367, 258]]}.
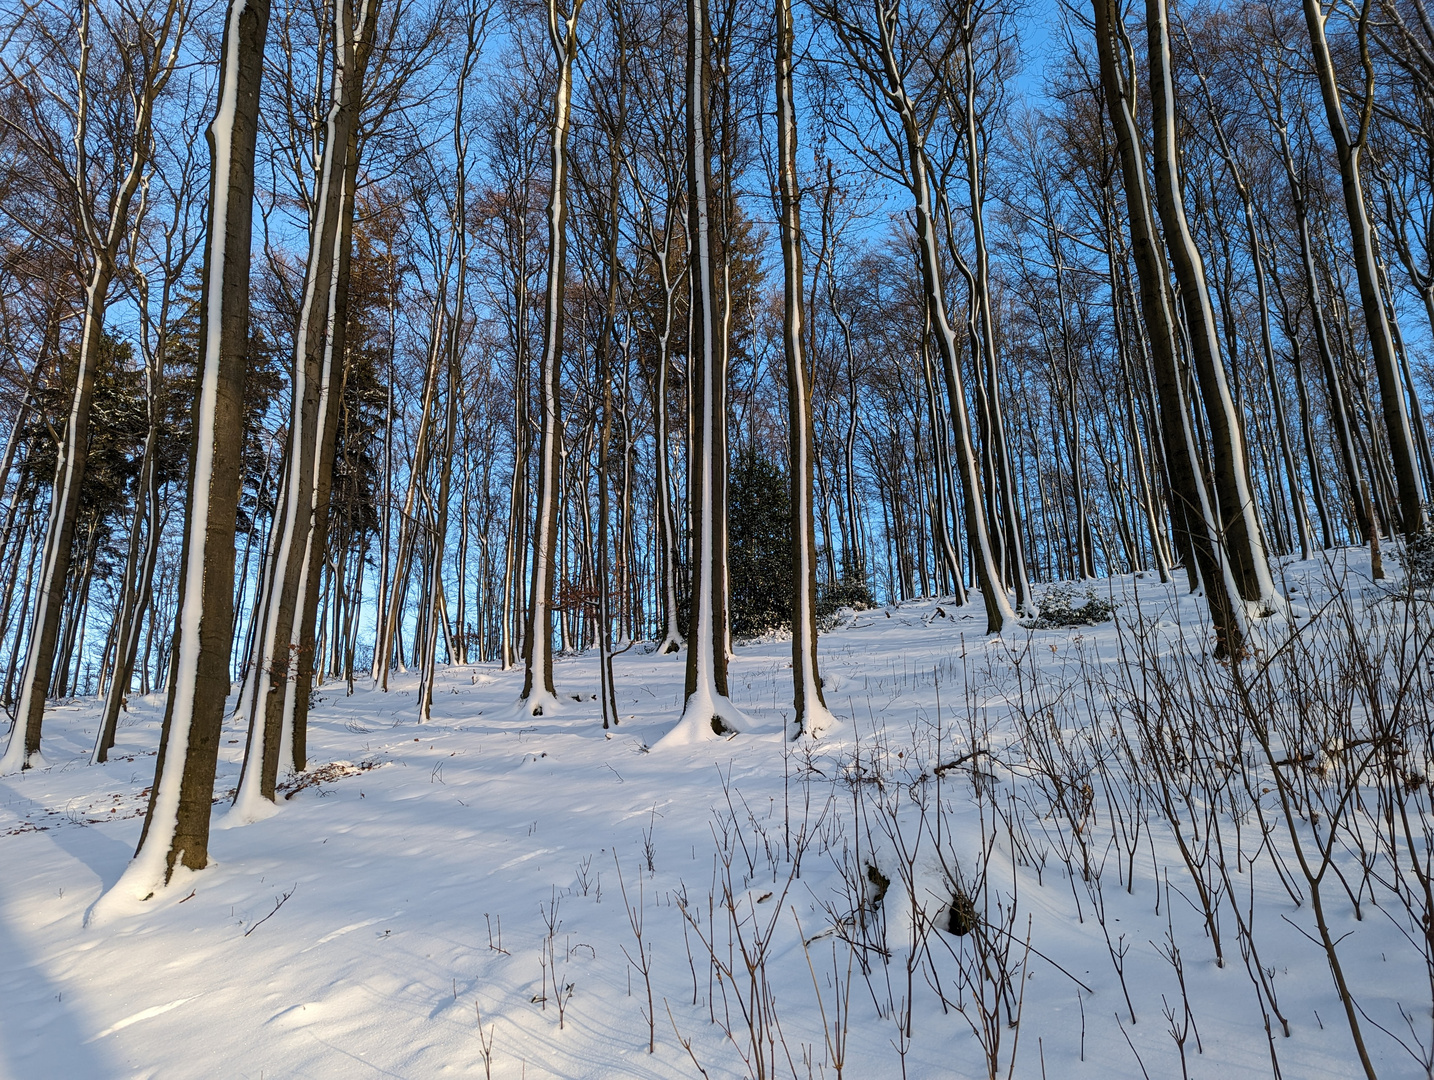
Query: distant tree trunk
{"points": [[476, 20], [946, 533], [1267, 349], [1334, 386], [137, 580], [388, 645], [385, 546], [613, 118], [176, 825], [667, 526]]}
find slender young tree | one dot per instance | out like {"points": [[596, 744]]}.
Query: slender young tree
{"points": [[176, 825], [877, 49], [974, 21], [811, 713], [476, 18], [612, 110], [707, 709], [538, 696], [658, 170]]}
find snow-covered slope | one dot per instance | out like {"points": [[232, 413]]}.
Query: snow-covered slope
{"points": [[447, 899]]}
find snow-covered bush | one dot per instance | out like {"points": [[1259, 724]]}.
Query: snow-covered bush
{"points": [[1065, 605]]}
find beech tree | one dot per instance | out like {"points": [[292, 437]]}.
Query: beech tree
{"points": [[176, 825], [812, 715], [707, 708], [1349, 145], [538, 693]]}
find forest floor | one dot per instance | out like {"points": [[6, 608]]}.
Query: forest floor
{"points": [[480, 895]]}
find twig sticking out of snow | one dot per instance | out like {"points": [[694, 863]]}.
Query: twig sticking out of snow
{"points": [[271, 914]]}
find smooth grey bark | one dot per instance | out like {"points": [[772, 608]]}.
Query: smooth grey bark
{"points": [[705, 691]]}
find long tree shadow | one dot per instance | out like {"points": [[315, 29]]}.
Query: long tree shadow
{"points": [[43, 1034], [94, 846]]}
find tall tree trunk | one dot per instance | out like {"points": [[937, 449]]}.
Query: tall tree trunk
{"points": [[176, 825], [1244, 543], [538, 695], [984, 325], [1190, 503], [1349, 148], [291, 600], [616, 125], [707, 709], [476, 21], [811, 714], [876, 52]]}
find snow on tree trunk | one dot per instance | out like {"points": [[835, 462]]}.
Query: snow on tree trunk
{"points": [[811, 713], [1349, 148], [1004, 488], [707, 712], [1190, 503], [318, 345], [176, 827], [538, 697], [1234, 501]]}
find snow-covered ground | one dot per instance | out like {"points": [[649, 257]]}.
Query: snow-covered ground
{"points": [[448, 898]]}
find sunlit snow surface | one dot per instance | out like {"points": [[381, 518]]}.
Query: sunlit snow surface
{"points": [[410, 845]]}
